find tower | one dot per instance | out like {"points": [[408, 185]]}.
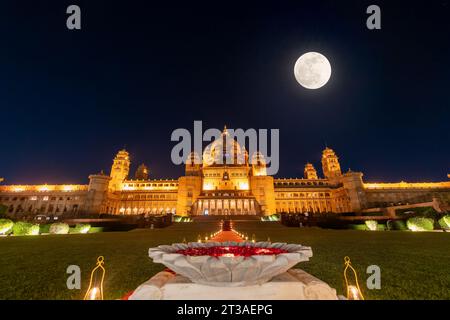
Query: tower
{"points": [[97, 193], [119, 170], [354, 188], [310, 172], [193, 165], [261, 185], [258, 164], [141, 173], [330, 164]]}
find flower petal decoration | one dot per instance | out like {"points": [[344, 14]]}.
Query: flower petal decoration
{"points": [[230, 263]]}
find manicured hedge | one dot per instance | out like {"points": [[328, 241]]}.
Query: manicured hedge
{"points": [[6, 226], [25, 229], [444, 222], [272, 217], [420, 224], [372, 225], [44, 228], [81, 228], [182, 219], [95, 229], [59, 228], [363, 227], [396, 225], [360, 227]]}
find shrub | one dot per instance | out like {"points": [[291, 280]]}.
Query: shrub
{"points": [[34, 230], [420, 224], [444, 222], [358, 227], [181, 219], [25, 229], [59, 228], [372, 225], [5, 226], [272, 217], [81, 228], [396, 225], [399, 225], [44, 228], [95, 229], [381, 227]]}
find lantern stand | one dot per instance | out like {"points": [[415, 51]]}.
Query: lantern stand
{"points": [[95, 290], [353, 292]]}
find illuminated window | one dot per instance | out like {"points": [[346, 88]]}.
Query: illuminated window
{"points": [[33, 198], [45, 198]]}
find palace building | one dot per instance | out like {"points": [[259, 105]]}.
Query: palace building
{"points": [[224, 181]]}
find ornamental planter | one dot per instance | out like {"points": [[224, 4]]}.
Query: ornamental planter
{"points": [[230, 264]]}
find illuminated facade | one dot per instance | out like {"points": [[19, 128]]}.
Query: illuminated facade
{"points": [[224, 181]]}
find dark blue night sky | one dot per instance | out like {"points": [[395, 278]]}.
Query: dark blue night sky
{"points": [[69, 100]]}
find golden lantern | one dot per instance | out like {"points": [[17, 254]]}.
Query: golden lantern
{"points": [[353, 290], [95, 289]]}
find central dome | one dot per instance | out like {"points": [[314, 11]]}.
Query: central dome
{"points": [[224, 151]]}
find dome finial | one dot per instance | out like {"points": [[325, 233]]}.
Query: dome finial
{"points": [[225, 128]]}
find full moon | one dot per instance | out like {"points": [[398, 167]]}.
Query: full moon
{"points": [[312, 70]]}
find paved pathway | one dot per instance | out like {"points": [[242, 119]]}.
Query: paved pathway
{"points": [[227, 236]]}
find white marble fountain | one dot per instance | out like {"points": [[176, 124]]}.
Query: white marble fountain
{"points": [[232, 271]]}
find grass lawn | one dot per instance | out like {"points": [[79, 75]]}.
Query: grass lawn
{"points": [[413, 265]]}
